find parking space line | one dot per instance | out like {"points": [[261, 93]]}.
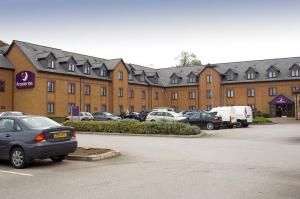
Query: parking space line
{"points": [[16, 173]]}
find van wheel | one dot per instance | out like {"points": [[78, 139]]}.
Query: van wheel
{"points": [[209, 126], [239, 124], [246, 125], [18, 158]]}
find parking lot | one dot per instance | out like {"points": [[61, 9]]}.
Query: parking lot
{"points": [[256, 162]]}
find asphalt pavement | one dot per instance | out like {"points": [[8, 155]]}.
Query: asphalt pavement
{"points": [[255, 162]]}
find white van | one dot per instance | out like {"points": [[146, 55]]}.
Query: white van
{"points": [[244, 116], [227, 113]]}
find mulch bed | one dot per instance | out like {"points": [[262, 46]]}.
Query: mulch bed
{"points": [[89, 151]]}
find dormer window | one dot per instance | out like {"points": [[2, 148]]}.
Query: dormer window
{"points": [[250, 75], [51, 63], [272, 74], [230, 77], [103, 72], [295, 70], [155, 80], [175, 80], [142, 78], [130, 77], [192, 79], [71, 67], [87, 70]]}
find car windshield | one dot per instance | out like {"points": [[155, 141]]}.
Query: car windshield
{"points": [[39, 122]]}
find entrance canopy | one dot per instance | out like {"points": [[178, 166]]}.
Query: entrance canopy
{"points": [[282, 99]]}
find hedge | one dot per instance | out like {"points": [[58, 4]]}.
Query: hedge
{"points": [[134, 127], [260, 120]]}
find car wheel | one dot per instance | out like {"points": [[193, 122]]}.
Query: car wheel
{"points": [[152, 120], [108, 119], [58, 158], [230, 126], [239, 124], [209, 126], [18, 158]]}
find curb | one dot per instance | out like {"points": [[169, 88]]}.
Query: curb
{"points": [[264, 123], [107, 155], [145, 135]]}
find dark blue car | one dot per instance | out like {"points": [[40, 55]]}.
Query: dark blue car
{"points": [[25, 138]]}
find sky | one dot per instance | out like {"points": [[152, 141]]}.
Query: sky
{"points": [[153, 33]]}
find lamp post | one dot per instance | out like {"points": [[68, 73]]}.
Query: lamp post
{"points": [[297, 104]]}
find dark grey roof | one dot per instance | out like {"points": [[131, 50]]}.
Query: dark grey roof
{"points": [[3, 49], [4, 63], [261, 67], [33, 52]]}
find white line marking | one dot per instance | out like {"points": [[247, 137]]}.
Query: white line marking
{"points": [[17, 173]]}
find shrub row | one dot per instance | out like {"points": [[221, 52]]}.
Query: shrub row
{"points": [[134, 127], [259, 120]]}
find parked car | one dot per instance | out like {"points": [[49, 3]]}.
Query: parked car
{"points": [[133, 116], [244, 116], [83, 116], [164, 115], [25, 138], [227, 114], [11, 113], [204, 120], [105, 116]]}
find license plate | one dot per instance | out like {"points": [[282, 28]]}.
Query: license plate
{"points": [[59, 135]]}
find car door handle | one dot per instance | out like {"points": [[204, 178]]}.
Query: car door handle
{"points": [[7, 135]]}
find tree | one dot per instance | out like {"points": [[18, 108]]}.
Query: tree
{"points": [[187, 59], [2, 43]]}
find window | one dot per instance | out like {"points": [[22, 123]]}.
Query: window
{"points": [[156, 95], [208, 78], [142, 78], [120, 75], [155, 80], [120, 93], [103, 72], [252, 107], [103, 91], [103, 108], [208, 107], [9, 125], [131, 94], [70, 105], [87, 90], [130, 77], [87, 70], [192, 95], [272, 91], [294, 89], [251, 92], [50, 86], [272, 74], [71, 88], [209, 94], [71, 67], [295, 72], [87, 108], [229, 93], [175, 80], [143, 95], [250, 75], [174, 95], [51, 63], [121, 108], [50, 107], [131, 109], [230, 77], [2, 86], [192, 79]]}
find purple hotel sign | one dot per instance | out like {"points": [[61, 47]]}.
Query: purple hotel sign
{"points": [[25, 79]]}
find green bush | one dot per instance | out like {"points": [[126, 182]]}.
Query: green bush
{"points": [[58, 119], [134, 127], [259, 120]]}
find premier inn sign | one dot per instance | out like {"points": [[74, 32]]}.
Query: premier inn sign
{"points": [[25, 79]]}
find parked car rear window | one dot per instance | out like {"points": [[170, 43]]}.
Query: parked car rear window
{"points": [[39, 122]]}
